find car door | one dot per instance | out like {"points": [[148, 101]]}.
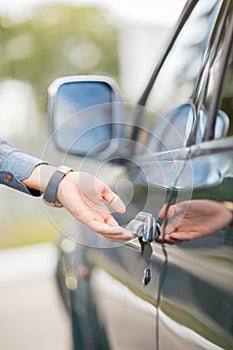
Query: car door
{"points": [[147, 293], [195, 296]]}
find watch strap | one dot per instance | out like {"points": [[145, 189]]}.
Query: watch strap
{"points": [[50, 194]]}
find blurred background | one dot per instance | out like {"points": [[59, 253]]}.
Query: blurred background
{"points": [[40, 41]]}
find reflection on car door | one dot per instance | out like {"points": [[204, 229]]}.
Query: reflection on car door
{"points": [[195, 300]]}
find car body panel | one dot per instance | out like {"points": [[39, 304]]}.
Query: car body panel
{"points": [[187, 303]]}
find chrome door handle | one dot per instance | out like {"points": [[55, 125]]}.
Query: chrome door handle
{"points": [[145, 226]]}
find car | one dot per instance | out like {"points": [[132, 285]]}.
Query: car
{"points": [[173, 149]]}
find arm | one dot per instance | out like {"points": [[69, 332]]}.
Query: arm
{"points": [[84, 196], [15, 166]]}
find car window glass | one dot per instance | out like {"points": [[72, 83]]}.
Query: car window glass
{"points": [[176, 81]]}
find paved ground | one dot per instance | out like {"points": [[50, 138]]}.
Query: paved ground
{"points": [[31, 314]]}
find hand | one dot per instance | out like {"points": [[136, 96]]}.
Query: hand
{"points": [[85, 197], [193, 219]]}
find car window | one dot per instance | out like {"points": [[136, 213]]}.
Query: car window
{"points": [[181, 69], [186, 82]]}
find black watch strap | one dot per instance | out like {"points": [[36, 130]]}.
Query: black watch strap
{"points": [[50, 194]]}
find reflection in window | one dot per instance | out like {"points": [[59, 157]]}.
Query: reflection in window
{"points": [[176, 81]]}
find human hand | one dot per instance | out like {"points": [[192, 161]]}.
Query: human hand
{"points": [[193, 219], [85, 197]]}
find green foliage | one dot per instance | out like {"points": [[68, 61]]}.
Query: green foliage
{"points": [[58, 40]]}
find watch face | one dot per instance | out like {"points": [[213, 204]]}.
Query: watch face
{"points": [[64, 169]]}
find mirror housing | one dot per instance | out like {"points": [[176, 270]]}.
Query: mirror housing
{"points": [[86, 116]]}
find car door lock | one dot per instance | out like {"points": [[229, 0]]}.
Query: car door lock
{"points": [[145, 227], [146, 276]]}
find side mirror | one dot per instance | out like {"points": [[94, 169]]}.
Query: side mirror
{"points": [[85, 115]]}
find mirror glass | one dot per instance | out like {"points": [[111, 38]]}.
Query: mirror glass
{"points": [[82, 116]]}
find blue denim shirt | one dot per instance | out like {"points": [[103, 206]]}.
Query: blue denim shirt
{"points": [[16, 166]]}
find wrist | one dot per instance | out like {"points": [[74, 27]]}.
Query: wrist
{"points": [[39, 178], [51, 197]]}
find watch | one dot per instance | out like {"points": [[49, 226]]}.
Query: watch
{"points": [[50, 194]]}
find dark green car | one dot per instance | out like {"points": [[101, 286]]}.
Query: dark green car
{"points": [[172, 286]]}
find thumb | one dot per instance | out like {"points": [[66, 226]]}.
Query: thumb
{"points": [[113, 200]]}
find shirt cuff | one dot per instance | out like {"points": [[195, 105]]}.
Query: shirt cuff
{"points": [[16, 167]]}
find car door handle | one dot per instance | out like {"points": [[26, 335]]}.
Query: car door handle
{"points": [[145, 227]]}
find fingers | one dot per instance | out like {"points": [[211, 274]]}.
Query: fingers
{"points": [[96, 192], [174, 216], [174, 224], [170, 239], [112, 234], [170, 212], [175, 209], [108, 227], [181, 236], [85, 198], [111, 221], [113, 200]]}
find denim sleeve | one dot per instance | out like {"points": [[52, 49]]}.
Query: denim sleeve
{"points": [[16, 166]]}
